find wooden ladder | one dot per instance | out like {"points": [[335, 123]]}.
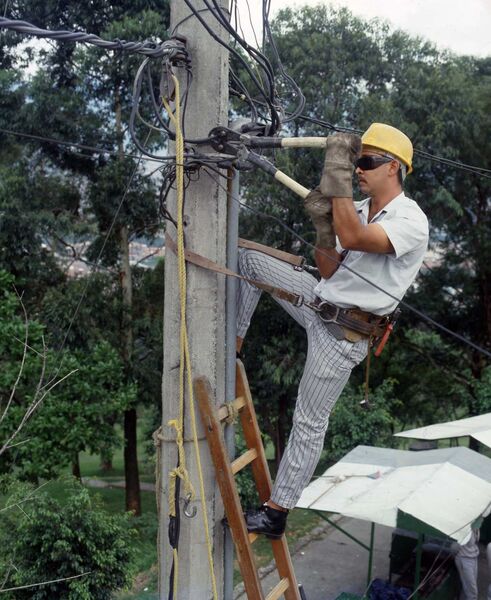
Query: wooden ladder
{"points": [[226, 470]]}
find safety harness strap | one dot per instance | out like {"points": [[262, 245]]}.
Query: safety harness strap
{"points": [[292, 259], [351, 320], [206, 263]]}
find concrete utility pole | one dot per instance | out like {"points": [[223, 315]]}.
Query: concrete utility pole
{"points": [[205, 233]]}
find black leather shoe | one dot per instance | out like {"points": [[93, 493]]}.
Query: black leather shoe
{"points": [[266, 520]]}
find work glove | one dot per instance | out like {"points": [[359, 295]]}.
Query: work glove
{"points": [[319, 208], [342, 150]]}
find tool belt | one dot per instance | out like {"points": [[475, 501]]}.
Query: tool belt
{"points": [[351, 324]]}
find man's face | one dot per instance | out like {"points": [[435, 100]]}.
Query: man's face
{"points": [[374, 181]]}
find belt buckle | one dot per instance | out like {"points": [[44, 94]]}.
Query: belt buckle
{"points": [[334, 318]]}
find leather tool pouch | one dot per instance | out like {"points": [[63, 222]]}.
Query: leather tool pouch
{"points": [[351, 324]]}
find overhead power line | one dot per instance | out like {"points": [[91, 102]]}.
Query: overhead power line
{"points": [[480, 171], [267, 92], [86, 147], [176, 52], [298, 112], [148, 47]]}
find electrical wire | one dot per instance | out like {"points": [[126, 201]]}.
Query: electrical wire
{"points": [[297, 114], [479, 171], [157, 108], [422, 315], [296, 88], [257, 56], [274, 117], [148, 48], [251, 23], [86, 147], [173, 51], [454, 163], [186, 18], [245, 96]]}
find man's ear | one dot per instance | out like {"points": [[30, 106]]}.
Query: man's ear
{"points": [[394, 167]]}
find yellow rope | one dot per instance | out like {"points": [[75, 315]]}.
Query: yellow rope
{"points": [[232, 413], [185, 361]]}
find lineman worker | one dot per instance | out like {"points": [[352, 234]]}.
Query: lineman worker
{"points": [[383, 239]]}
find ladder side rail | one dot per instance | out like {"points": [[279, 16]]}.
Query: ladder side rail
{"points": [[228, 489], [252, 435], [262, 477]]}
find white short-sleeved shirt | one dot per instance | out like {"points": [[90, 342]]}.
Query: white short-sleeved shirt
{"points": [[406, 226]]}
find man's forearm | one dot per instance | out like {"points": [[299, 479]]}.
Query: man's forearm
{"points": [[346, 222], [327, 261], [353, 235]]}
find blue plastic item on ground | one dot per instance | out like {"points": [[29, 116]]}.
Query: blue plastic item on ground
{"points": [[383, 590]]}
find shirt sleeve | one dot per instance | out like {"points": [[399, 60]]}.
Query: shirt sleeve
{"points": [[406, 232]]}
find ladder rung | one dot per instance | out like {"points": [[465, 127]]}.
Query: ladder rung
{"points": [[244, 460], [279, 589], [238, 403]]}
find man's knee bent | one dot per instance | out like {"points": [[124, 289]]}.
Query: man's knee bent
{"points": [[248, 261]]}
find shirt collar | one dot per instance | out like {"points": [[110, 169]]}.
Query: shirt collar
{"points": [[364, 206]]}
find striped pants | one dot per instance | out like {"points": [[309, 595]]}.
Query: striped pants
{"points": [[327, 369]]}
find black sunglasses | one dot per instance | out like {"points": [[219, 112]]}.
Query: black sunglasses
{"points": [[368, 163]]}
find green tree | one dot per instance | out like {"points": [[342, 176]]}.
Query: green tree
{"points": [[72, 417], [352, 425], [45, 541], [87, 97]]}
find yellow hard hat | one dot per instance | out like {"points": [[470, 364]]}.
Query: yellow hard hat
{"points": [[391, 140]]}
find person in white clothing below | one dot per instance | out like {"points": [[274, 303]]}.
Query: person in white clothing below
{"points": [[488, 556], [466, 559]]}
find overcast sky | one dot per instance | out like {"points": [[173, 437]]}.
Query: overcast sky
{"points": [[463, 26]]}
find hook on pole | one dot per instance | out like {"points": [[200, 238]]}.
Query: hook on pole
{"points": [[190, 514]]}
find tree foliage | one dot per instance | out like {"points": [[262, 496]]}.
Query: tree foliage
{"points": [[352, 424], [53, 197], [73, 416], [44, 541]]}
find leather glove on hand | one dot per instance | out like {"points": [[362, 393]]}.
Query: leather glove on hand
{"points": [[342, 150], [319, 208]]}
